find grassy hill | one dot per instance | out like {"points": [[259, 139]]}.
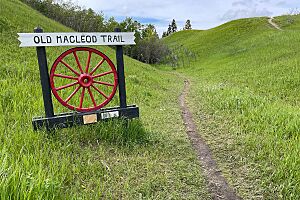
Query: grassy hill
{"points": [[245, 97], [151, 159]]}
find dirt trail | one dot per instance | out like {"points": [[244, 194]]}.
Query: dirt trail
{"points": [[270, 20], [217, 184]]}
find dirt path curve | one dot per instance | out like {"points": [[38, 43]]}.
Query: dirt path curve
{"points": [[270, 20], [217, 184]]}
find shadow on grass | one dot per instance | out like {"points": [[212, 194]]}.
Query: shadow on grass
{"points": [[116, 131]]}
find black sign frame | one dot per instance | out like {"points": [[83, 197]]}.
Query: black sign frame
{"points": [[52, 121]]}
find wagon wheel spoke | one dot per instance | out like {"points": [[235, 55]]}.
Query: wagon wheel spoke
{"points": [[73, 93], [82, 97], [65, 76], [98, 65], [84, 90], [103, 74], [69, 67], [88, 62], [102, 93], [77, 61], [92, 96], [104, 83], [66, 86]]}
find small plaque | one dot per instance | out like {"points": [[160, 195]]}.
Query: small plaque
{"points": [[89, 119], [108, 115]]}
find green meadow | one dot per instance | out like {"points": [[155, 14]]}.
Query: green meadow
{"points": [[150, 158], [245, 99], [244, 96]]}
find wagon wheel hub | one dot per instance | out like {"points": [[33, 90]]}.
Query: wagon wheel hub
{"points": [[85, 80]]}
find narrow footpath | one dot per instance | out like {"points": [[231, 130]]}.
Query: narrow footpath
{"points": [[217, 184], [270, 21]]}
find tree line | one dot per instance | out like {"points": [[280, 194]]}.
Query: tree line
{"points": [[148, 48], [173, 27]]}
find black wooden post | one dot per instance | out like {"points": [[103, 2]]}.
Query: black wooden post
{"points": [[121, 76], [44, 76]]}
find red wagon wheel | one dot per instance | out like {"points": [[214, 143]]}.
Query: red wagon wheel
{"points": [[83, 78]]}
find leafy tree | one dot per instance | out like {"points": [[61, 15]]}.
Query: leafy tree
{"points": [[169, 31], [111, 24], [164, 34], [173, 26], [128, 25], [148, 49], [149, 31], [70, 14], [151, 50], [188, 25]]}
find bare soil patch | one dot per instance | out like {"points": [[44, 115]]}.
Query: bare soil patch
{"points": [[217, 184]]}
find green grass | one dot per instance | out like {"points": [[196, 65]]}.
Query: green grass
{"points": [[245, 98], [151, 158]]}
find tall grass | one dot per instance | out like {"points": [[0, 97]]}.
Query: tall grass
{"points": [[245, 98], [149, 158]]}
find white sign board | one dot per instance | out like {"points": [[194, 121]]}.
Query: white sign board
{"points": [[75, 39]]}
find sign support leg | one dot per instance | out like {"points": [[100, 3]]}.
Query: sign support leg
{"points": [[121, 76], [45, 80]]}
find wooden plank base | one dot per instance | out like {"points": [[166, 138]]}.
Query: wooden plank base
{"points": [[66, 120]]}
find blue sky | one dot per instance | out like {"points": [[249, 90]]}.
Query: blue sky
{"points": [[204, 14]]}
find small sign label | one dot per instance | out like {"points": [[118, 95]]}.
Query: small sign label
{"points": [[89, 119], [75, 39], [108, 115]]}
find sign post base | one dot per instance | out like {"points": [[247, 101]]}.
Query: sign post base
{"points": [[66, 120]]}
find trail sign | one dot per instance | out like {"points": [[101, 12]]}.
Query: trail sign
{"points": [[75, 39], [78, 84]]}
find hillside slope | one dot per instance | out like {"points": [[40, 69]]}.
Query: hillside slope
{"points": [[245, 96], [150, 159]]}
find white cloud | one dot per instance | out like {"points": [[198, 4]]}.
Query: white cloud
{"points": [[247, 8], [202, 13]]}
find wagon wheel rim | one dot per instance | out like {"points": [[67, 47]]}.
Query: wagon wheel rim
{"points": [[85, 80]]}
